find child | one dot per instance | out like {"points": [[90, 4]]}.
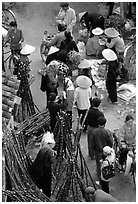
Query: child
{"points": [[108, 158]]}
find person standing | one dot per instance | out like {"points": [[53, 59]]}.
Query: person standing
{"points": [[112, 74], [92, 122], [67, 16], [15, 36], [83, 95], [101, 138], [41, 169]]}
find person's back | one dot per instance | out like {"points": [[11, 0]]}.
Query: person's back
{"points": [[92, 45], [92, 117]]}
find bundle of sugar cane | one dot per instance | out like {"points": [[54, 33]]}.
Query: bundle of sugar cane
{"points": [[23, 189]]}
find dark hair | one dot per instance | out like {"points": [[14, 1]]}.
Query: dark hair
{"points": [[13, 23], [68, 35], [64, 4], [96, 102], [62, 27], [129, 117], [101, 121]]}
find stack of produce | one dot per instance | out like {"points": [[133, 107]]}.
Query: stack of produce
{"points": [[19, 185], [10, 86], [70, 169]]}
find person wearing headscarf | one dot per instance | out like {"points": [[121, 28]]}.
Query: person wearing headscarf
{"points": [[41, 168], [112, 74], [67, 16]]}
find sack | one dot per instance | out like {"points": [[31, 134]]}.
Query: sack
{"points": [[108, 171]]}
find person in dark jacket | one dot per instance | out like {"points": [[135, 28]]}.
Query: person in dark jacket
{"points": [[41, 171], [92, 122], [112, 74], [101, 138], [54, 108], [92, 20], [67, 45]]}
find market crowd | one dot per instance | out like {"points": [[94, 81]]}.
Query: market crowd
{"points": [[68, 83]]}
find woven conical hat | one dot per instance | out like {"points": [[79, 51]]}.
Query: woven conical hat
{"points": [[81, 15], [4, 32], [111, 32], [83, 81], [27, 49], [117, 10], [52, 50], [97, 31], [84, 64], [109, 55]]}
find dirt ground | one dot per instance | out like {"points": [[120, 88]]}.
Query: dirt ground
{"points": [[33, 19]]}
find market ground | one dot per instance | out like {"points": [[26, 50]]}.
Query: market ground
{"points": [[36, 17]]}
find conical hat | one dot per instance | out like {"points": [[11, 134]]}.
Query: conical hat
{"points": [[117, 10], [4, 32], [83, 81], [27, 49], [97, 31], [111, 32], [84, 64], [109, 55], [81, 15], [53, 49]]}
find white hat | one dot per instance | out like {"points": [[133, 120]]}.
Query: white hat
{"points": [[48, 138], [97, 31], [84, 64], [27, 49], [107, 150], [117, 11], [53, 49], [4, 32], [83, 81], [81, 15], [111, 32], [109, 54]]}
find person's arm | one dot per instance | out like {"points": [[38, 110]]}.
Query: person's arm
{"points": [[53, 41], [73, 20], [111, 44]]}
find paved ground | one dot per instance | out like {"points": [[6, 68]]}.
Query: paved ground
{"points": [[34, 19]]}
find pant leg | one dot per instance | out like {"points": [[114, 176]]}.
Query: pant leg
{"points": [[105, 185], [89, 137], [81, 112], [98, 157]]}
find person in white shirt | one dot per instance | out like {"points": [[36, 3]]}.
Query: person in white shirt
{"points": [[66, 15], [83, 95]]}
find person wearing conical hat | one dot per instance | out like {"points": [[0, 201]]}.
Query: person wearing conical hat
{"points": [[83, 95], [15, 36], [114, 41], [93, 47], [91, 20], [112, 74], [25, 52]]}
